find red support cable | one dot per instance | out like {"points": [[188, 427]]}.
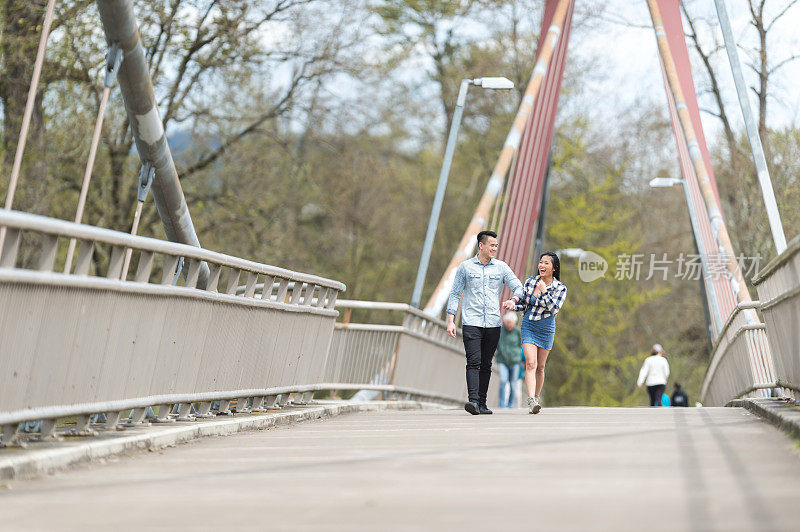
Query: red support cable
{"points": [[528, 185], [673, 28]]}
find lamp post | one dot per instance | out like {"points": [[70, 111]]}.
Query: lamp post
{"points": [[665, 182], [497, 83]]}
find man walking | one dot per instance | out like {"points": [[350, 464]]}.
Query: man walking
{"points": [[480, 279], [654, 373]]}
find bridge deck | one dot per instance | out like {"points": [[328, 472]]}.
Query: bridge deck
{"points": [[571, 468]]}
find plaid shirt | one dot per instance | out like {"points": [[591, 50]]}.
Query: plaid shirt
{"points": [[544, 305]]}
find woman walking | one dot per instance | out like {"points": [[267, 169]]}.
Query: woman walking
{"points": [[543, 296]]}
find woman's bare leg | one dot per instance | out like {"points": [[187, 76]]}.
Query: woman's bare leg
{"points": [[541, 360], [531, 359]]}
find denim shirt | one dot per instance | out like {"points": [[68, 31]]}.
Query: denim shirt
{"points": [[481, 285]]}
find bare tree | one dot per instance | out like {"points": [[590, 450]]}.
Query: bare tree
{"points": [[760, 61], [199, 52], [431, 25], [706, 59]]}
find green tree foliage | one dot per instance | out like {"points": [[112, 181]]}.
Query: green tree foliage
{"points": [[590, 365]]}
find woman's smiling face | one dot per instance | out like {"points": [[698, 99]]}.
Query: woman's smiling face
{"points": [[546, 266]]}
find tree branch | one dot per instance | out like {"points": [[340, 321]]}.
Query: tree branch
{"points": [[782, 64], [781, 13], [250, 128]]}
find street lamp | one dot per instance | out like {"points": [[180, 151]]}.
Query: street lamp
{"points": [[666, 182], [571, 253], [496, 83]]}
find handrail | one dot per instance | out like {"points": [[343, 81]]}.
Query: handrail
{"points": [[777, 262], [392, 307], [744, 305], [132, 287], [396, 329], [34, 222], [372, 305]]}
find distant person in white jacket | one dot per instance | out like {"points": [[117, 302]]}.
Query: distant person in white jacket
{"points": [[654, 374]]}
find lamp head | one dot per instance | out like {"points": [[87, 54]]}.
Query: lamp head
{"points": [[572, 253], [663, 182], [497, 83]]}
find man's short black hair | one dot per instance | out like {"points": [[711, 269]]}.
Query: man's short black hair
{"points": [[484, 234]]}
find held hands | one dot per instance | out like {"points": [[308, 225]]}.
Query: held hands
{"points": [[509, 304]]}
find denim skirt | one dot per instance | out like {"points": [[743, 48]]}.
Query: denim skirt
{"points": [[538, 332]]}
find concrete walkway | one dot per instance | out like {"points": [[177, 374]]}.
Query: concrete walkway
{"points": [[565, 469]]}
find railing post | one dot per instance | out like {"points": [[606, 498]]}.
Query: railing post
{"points": [[332, 299], [266, 291], [213, 277], [250, 287], [8, 259], [283, 290], [145, 267], [170, 264], [84, 257], [297, 290], [233, 281]]}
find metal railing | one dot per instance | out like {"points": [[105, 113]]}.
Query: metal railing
{"points": [[108, 342], [741, 362], [778, 286], [98, 342], [418, 353]]}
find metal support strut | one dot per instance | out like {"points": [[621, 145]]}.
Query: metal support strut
{"points": [[147, 174], [113, 62], [136, 86]]}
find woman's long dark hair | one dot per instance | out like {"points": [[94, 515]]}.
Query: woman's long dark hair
{"points": [[556, 263]]}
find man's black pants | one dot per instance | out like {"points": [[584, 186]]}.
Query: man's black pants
{"points": [[480, 344], [655, 393]]}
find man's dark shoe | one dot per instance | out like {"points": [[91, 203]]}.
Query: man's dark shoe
{"points": [[472, 408], [483, 409]]}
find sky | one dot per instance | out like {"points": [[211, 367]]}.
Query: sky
{"points": [[619, 42], [624, 38]]}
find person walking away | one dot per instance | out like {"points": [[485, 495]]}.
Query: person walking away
{"points": [[679, 397], [654, 374], [480, 280], [508, 357], [543, 296]]}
